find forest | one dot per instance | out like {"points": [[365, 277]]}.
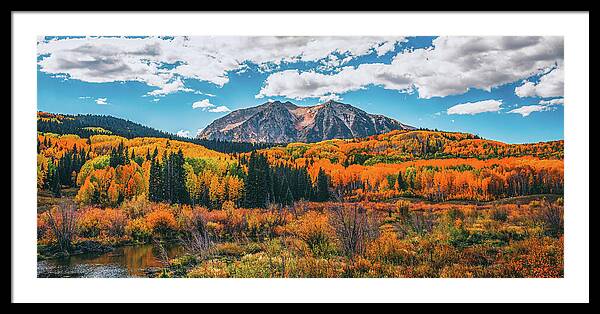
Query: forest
{"points": [[416, 203], [89, 124]]}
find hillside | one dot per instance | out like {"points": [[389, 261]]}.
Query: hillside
{"points": [[89, 125], [401, 145]]}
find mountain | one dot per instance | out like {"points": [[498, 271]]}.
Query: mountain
{"points": [[284, 122]]}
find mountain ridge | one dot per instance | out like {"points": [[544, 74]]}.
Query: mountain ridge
{"points": [[285, 122]]}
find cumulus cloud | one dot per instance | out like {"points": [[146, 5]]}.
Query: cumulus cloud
{"points": [[551, 102], [472, 108], [202, 104], [171, 87], [330, 97], [163, 63], [101, 101], [205, 105], [453, 65], [550, 85], [527, 110], [219, 109], [183, 133], [543, 105]]}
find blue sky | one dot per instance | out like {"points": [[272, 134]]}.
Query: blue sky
{"points": [[502, 88]]}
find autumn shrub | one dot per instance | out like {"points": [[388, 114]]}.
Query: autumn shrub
{"points": [[210, 269], [401, 208], [314, 229], [354, 228], [535, 204], [180, 265], [162, 222], [43, 228], [62, 220], [193, 231], [421, 222], [234, 221], [138, 230], [230, 249], [216, 229], [90, 222], [499, 214], [479, 255], [560, 201], [360, 267], [296, 246], [114, 222], [258, 265], [551, 216], [313, 267], [461, 271], [534, 258], [136, 207], [262, 225], [387, 248], [455, 213]]}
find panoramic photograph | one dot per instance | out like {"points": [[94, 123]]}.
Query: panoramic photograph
{"points": [[300, 156]]}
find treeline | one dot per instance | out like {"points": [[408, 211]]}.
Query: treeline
{"points": [[87, 125], [281, 184], [82, 125], [229, 147], [171, 181], [167, 179], [465, 180], [62, 171]]}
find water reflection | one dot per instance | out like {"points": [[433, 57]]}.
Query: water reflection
{"points": [[127, 261]]}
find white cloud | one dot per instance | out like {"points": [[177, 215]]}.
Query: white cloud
{"points": [[551, 102], [169, 88], [527, 110], [544, 105], [84, 97], [162, 63], [202, 93], [202, 104], [101, 101], [183, 133], [472, 108], [156, 99], [206, 105], [330, 97], [219, 109], [453, 65], [550, 85]]}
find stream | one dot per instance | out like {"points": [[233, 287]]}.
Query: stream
{"points": [[125, 261]]}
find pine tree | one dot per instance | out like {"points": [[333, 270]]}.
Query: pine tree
{"points": [[54, 182], [155, 186], [401, 182], [322, 194]]}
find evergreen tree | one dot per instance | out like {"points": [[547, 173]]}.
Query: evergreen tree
{"points": [[401, 182], [154, 184], [165, 178], [322, 187], [54, 182], [180, 192]]}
